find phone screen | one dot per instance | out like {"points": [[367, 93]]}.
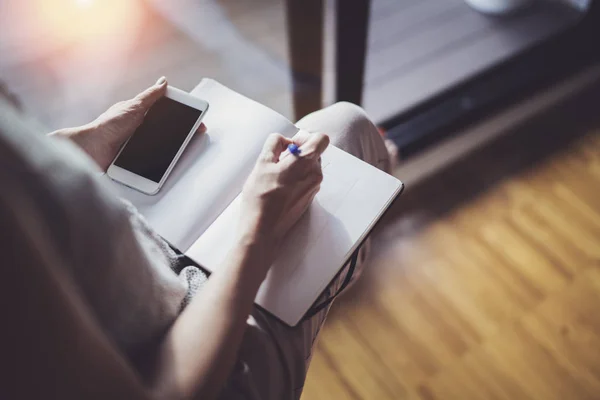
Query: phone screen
{"points": [[157, 140]]}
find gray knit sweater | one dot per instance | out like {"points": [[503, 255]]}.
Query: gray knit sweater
{"points": [[122, 269]]}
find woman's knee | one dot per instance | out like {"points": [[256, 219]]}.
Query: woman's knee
{"points": [[337, 118], [349, 129], [357, 127], [353, 115], [354, 123], [358, 135]]}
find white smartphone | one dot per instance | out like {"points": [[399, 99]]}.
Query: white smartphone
{"points": [[145, 161]]}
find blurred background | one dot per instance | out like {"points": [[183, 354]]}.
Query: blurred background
{"points": [[68, 60], [484, 280]]}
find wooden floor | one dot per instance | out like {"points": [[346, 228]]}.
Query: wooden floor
{"points": [[485, 283]]}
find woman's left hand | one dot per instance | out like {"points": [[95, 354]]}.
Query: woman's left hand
{"points": [[103, 137]]}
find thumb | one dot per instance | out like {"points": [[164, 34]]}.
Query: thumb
{"points": [[149, 96], [274, 146]]}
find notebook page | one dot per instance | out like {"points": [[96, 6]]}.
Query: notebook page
{"points": [[352, 198], [213, 168]]}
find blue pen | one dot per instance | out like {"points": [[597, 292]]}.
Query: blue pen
{"points": [[294, 149]]}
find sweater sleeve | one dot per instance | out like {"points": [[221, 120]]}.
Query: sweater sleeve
{"points": [[121, 268]]}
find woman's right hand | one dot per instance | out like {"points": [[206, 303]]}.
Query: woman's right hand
{"points": [[281, 187]]}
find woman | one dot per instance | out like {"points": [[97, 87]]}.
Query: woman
{"points": [[91, 304]]}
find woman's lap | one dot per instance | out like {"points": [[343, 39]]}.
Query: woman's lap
{"points": [[274, 357]]}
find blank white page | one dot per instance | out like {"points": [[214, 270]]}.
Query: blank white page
{"points": [[352, 198], [213, 168]]}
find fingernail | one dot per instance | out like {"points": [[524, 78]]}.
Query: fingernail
{"points": [[161, 80]]}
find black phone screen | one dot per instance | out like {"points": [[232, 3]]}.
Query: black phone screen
{"points": [[157, 140]]}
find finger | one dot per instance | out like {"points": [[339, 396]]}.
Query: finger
{"points": [[273, 147], [315, 145], [301, 137], [201, 129], [307, 170], [316, 173], [149, 96], [298, 139]]}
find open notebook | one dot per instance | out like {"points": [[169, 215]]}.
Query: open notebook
{"points": [[196, 209]]}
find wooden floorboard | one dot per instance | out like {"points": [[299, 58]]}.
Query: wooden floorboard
{"points": [[485, 282]]}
